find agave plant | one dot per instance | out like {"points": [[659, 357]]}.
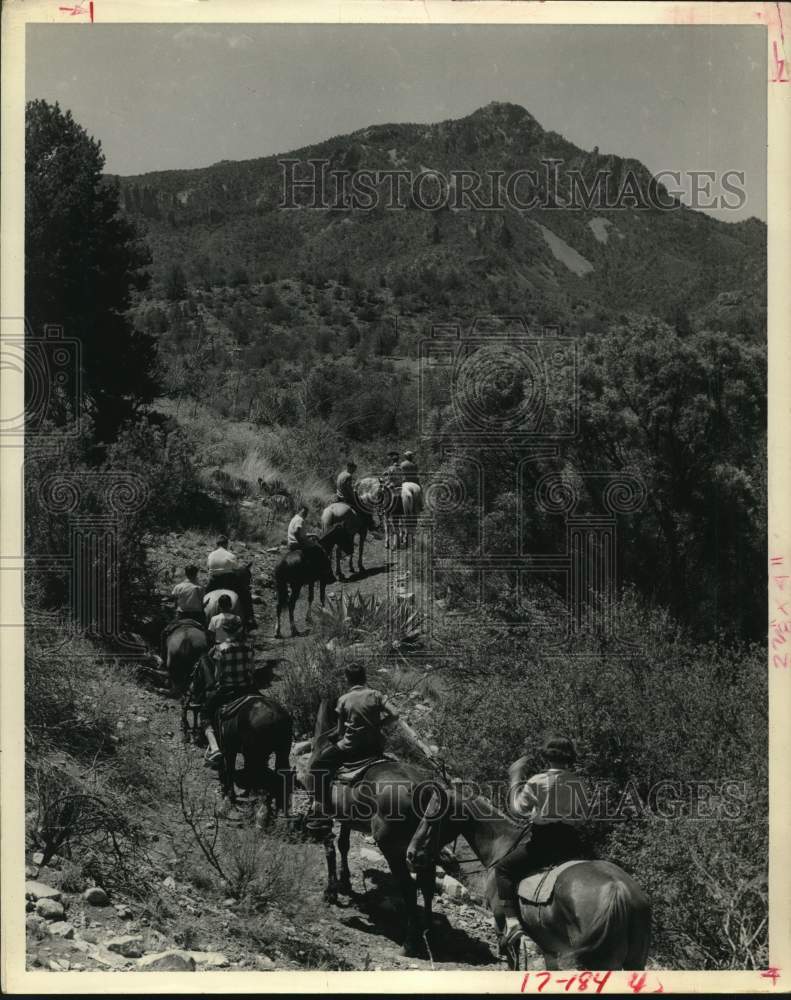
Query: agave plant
{"points": [[355, 618]]}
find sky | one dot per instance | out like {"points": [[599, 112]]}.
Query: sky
{"points": [[188, 95]]}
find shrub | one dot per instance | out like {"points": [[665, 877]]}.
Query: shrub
{"points": [[312, 676], [670, 710]]}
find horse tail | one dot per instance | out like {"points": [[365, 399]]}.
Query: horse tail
{"points": [[607, 936]]}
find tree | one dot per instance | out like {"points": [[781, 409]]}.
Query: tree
{"points": [[83, 261]]}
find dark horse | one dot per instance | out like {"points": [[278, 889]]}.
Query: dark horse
{"points": [[309, 565], [597, 918], [185, 644], [262, 727], [387, 803]]}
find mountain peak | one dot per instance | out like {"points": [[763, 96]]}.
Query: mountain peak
{"points": [[503, 111]]}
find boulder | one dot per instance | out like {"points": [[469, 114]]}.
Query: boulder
{"points": [[209, 959], [37, 926], [38, 890], [130, 946], [50, 909], [167, 961], [62, 929], [452, 888], [96, 896], [264, 962], [372, 856]]}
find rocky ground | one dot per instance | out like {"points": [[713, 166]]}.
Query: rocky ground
{"points": [[193, 922]]}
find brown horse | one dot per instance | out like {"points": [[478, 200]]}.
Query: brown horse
{"points": [[307, 566], [597, 918], [387, 803], [185, 644]]}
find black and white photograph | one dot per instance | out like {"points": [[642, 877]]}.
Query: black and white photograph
{"points": [[392, 580]]}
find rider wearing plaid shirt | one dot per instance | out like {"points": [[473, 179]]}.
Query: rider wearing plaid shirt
{"points": [[231, 666]]}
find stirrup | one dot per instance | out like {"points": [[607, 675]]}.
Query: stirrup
{"points": [[512, 940]]}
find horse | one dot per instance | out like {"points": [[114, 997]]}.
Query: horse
{"points": [[411, 506], [185, 644], [597, 918], [260, 728], [354, 522], [308, 565], [236, 582], [385, 499], [386, 803], [211, 603]]}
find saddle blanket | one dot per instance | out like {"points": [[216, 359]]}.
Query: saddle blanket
{"points": [[350, 772], [538, 887]]}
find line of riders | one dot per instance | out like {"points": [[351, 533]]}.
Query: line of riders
{"points": [[228, 664], [395, 477], [547, 802]]}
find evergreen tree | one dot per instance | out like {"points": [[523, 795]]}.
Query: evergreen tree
{"points": [[83, 260]]}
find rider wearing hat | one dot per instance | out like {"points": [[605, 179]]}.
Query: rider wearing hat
{"points": [[552, 804]]}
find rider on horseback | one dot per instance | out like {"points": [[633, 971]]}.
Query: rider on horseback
{"points": [[230, 674], [298, 538], [344, 486], [218, 626], [188, 596], [409, 469], [393, 477], [345, 492], [224, 574], [362, 711], [552, 802]]}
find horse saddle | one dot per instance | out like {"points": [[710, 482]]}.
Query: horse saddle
{"points": [[539, 886], [179, 622], [353, 771], [232, 709]]}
